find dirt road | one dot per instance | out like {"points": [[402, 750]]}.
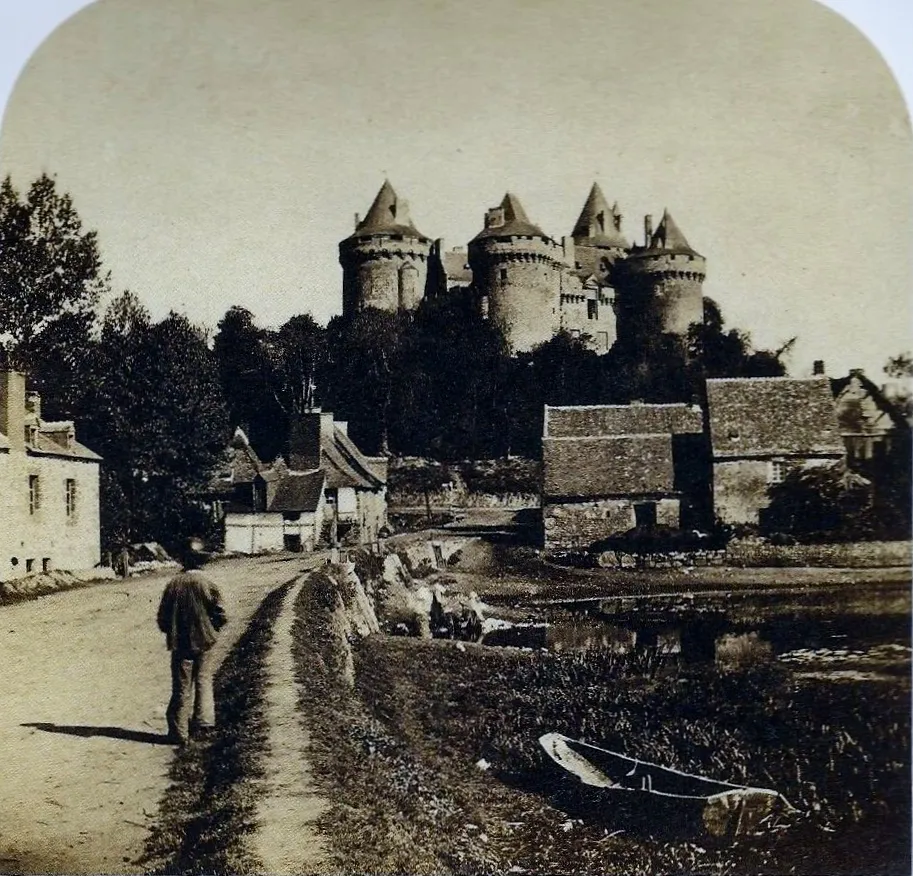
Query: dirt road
{"points": [[83, 759]]}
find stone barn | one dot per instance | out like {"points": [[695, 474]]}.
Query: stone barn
{"points": [[760, 429], [610, 468]]}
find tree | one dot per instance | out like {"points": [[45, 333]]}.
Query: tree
{"points": [[358, 377], [50, 269], [159, 421], [247, 368], [298, 352]]}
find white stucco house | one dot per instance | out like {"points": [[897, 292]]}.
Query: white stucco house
{"points": [[49, 507]]}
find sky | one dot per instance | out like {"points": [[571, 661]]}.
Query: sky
{"points": [[221, 147]]}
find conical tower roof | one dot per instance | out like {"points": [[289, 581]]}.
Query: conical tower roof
{"points": [[668, 237], [389, 214], [516, 222], [599, 223]]}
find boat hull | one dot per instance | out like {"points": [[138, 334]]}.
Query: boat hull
{"points": [[719, 809]]}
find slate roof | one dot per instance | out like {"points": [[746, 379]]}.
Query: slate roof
{"points": [[616, 465], [389, 214], [516, 222], [46, 445], [596, 222], [771, 416], [298, 491], [635, 419]]}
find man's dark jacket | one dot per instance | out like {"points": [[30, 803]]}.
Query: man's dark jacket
{"points": [[191, 613]]}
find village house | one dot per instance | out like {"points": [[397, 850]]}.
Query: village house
{"points": [[49, 509], [872, 426], [608, 469], [325, 490], [761, 428]]}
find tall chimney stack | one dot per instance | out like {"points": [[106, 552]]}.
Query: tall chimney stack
{"points": [[12, 408], [648, 229]]}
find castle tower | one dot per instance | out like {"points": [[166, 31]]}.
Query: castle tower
{"points": [[517, 270], [385, 261], [598, 241], [659, 285]]}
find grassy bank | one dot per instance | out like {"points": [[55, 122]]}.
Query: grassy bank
{"points": [[208, 811], [432, 763]]}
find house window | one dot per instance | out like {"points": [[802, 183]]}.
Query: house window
{"points": [[592, 309], [503, 275], [46, 564], [777, 471], [29, 566], [34, 494], [71, 497]]}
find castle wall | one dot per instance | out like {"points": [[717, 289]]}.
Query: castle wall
{"points": [[383, 272], [521, 278], [578, 317]]}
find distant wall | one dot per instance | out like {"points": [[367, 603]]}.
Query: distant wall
{"points": [[850, 555]]}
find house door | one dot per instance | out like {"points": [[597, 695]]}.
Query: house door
{"points": [[645, 515], [292, 542]]}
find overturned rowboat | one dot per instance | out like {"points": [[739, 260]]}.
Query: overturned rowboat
{"points": [[722, 809]]}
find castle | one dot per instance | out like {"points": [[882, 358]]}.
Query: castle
{"points": [[593, 283]]}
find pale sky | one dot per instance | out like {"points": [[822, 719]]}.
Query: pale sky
{"points": [[221, 147]]}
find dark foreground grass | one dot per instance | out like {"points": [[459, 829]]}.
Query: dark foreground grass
{"points": [[208, 811], [433, 765]]}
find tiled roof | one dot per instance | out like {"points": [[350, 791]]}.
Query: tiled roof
{"points": [[389, 214], [516, 223], [596, 222], [763, 416], [298, 491], [634, 419], [618, 465]]}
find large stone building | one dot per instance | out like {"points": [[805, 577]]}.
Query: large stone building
{"points": [[49, 510], [592, 282], [762, 427]]}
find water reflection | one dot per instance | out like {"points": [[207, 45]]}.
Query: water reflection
{"points": [[796, 632]]}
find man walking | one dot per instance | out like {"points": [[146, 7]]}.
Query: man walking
{"points": [[191, 615]]}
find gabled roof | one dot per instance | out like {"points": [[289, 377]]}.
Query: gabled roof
{"points": [[770, 416], [633, 419], [45, 445], [345, 465], [598, 223], [298, 491], [389, 214], [516, 223], [888, 409], [616, 465]]}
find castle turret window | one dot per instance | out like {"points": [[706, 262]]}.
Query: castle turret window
{"points": [[70, 489], [34, 494]]}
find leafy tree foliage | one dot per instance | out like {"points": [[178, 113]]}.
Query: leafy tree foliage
{"points": [[158, 418], [50, 268]]}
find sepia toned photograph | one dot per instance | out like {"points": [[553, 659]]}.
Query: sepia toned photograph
{"points": [[456, 439]]}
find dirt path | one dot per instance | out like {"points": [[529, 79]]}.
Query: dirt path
{"points": [[286, 840], [89, 672]]}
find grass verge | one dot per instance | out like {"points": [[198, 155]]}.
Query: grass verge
{"points": [[208, 811]]}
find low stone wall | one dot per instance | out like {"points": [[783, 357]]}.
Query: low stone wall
{"points": [[31, 586], [850, 555], [757, 555], [458, 499]]}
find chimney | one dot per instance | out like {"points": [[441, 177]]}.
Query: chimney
{"points": [[648, 229], [12, 408], [357, 221], [304, 442], [818, 367], [33, 405]]}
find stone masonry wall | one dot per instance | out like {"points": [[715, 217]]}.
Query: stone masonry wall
{"points": [[576, 525]]}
